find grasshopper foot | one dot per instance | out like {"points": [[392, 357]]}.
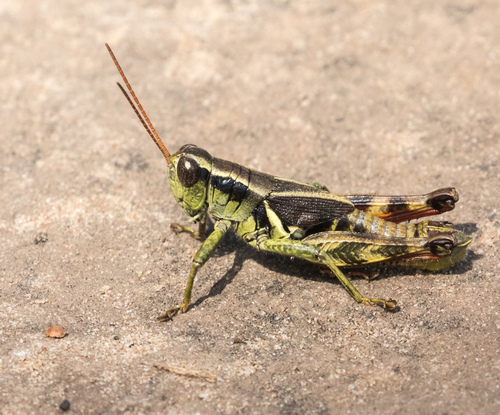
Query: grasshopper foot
{"points": [[367, 275], [169, 315], [389, 304], [177, 228]]}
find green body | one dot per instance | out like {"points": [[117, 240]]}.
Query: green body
{"points": [[308, 222]]}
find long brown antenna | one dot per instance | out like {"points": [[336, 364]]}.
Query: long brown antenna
{"points": [[139, 110]]}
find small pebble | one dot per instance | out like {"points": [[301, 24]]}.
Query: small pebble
{"points": [[64, 405], [41, 238]]}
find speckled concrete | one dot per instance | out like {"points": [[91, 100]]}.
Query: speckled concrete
{"points": [[363, 96]]}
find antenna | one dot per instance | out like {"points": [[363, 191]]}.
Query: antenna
{"points": [[139, 110]]}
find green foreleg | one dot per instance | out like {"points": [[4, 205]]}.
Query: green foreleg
{"points": [[202, 227], [204, 253]]}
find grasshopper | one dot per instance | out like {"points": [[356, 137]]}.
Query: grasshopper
{"points": [[302, 220]]}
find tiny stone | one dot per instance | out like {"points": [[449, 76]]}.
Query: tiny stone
{"points": [[64, 406], [41, 238], [115, 337]]}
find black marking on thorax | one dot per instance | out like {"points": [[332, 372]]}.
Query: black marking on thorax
{"points": [[204, 173], [231, 179], [226, 184], [244, 187]]}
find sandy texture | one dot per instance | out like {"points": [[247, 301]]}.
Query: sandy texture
{"points": [[364, 96]]}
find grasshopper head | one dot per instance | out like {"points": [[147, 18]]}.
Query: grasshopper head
{"points": [[189, 173], [188, 169]]}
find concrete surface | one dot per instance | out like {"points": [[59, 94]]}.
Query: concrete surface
{"points": [[363, 96]]}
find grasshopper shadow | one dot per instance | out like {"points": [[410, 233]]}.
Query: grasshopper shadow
{"points": [[273, 262]]}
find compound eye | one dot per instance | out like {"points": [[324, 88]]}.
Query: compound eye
{"points": [[188, 171]]}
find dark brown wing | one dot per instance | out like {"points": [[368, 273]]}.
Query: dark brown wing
{"points": [[298, 204]]}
